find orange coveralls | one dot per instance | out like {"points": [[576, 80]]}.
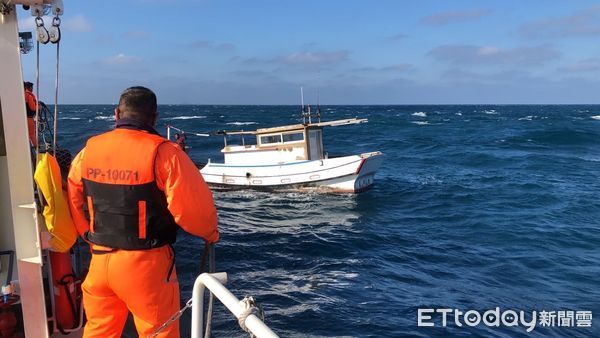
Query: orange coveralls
{"points": [[136, 280], [31, 106]]}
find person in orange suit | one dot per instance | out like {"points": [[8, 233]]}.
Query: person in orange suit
{"points": [[31, 108], [129, 191]]}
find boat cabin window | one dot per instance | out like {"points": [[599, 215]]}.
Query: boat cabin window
{"points": [[293, 137], [270, 139], [282, 138]]}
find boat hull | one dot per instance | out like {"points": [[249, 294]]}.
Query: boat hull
{"points": [[347, 174]]}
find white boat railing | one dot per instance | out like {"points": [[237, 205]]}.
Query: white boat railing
{"points": [[240, 309]]}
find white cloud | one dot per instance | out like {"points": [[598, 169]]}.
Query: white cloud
{"points": [[445, 18], [396, 37], [471, 54], [304, 58], [399, 67], [579, 24], [77, 23], [582, 66], [121, 59], [207, 44]]}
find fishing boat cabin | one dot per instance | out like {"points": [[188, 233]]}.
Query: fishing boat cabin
{"points": [[279, 145]]}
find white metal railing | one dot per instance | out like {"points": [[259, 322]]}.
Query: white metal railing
{"points": [[169, 127], [213, 282]]}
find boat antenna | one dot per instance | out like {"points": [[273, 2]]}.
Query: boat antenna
{"points": [[302, 112], [318, 107]]}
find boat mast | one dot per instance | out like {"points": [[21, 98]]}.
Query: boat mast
{"points": [[302, 112], [302, 97]]}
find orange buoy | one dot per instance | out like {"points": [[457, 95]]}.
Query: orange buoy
{"points": [[65, 291]]}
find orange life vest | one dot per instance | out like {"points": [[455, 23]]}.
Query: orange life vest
{"points": [[125, 208]]}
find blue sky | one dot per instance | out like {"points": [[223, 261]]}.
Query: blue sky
{"points": [[350, 52]]}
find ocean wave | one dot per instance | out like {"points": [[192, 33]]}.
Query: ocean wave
{"points": [[527, 118], [106, 118], [69, 118], [241, 123], [459, 114], [491, 112], [596, 117], [562, 136], [591, 158], [186, 117], [420, 114], [420, 123]]}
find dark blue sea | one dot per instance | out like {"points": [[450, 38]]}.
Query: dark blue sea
{"points": [[475, 207]]}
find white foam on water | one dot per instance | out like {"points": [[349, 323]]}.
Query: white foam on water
{"points": [[459, 114], [527, 118], [69, 118], [591, 158], [597, 117], [490, 112], [106, 118], [421, 123], [241, 123], [420, 114], [186, 117]]}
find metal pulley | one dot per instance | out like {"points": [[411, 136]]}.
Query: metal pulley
{"points": [[54, 31], [48, 35], [41, 32]]}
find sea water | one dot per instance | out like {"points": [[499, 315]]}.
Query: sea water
{"points": [[475, 208]]}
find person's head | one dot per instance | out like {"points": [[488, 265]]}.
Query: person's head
{"points": [[177, 136], [137, 103], [28, 86]]}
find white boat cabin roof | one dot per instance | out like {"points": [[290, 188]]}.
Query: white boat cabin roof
{"points": [[293, 127]]}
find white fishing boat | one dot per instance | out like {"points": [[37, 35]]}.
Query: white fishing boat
{"points": [[292, 157], [32, 302]]}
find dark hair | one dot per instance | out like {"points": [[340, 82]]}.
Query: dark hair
{"points": [[138, 103], [27, 84]]}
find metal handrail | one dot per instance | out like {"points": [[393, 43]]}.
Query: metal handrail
{"points": [[213, 282]]}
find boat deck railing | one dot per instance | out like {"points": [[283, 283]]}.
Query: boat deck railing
{"points": [[242, 310]]}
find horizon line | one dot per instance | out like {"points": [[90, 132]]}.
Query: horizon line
{"points": [[348, 104]]}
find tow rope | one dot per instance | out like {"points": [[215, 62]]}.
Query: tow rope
{"points": [[55, 38]]}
